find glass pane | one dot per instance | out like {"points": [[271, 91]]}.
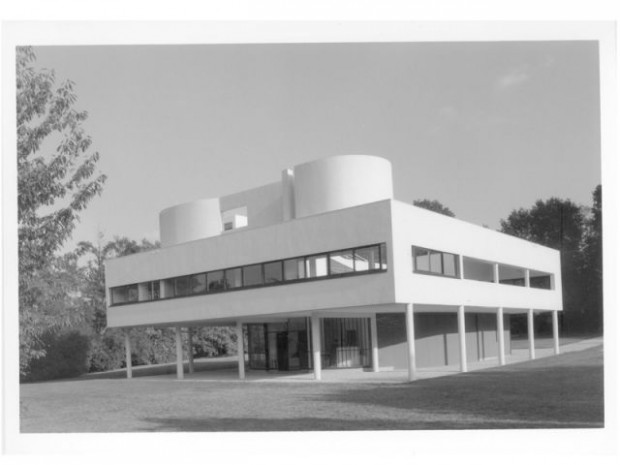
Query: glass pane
{"points": [[435, 259], [233, 278], [132, 293], [119, 295], [215, 281], [294, 269], [273, 272], [181, 286], [367, 259], [316, 266], [155, 290], [383, 257], [341, 262], [421, 259], [198, 283], [252, 275], [449, 264]]}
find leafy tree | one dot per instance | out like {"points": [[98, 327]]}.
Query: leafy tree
{"points": [[54, 185], [558, 224], [593, 263], [94, 294], [434, 206], [107, 351]]}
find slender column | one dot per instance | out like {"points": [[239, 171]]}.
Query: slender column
{"points": [[177, 334], [461, 268], [410, 341], [190, 349], [527, 278], [240, 350], [556, 332], [128, 354], [316, 346], [501, 354], [496, 273], [530, 332], [374, 343], [462, 345]]}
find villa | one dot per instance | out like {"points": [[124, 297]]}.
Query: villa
{"points": [[324, 269]]}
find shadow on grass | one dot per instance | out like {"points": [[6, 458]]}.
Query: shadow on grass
{"points": [[555, 392]]}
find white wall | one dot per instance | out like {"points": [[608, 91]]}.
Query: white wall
{"points": [[190, 221], [340, 182], [416, 226], [357, 226], [264, 204]]}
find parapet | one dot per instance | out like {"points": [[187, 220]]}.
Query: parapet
{"points": [[307, 189]]}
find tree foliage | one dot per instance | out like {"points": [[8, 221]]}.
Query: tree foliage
{"points": [[434, 206], [593, 262], [56, 181], [563, 225]]}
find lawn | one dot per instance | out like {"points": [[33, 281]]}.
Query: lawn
{"points": [[554, 392]]}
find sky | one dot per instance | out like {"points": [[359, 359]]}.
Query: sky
{"points": [[483, 127]]}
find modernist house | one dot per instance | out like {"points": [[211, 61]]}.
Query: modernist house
{"points": [[324, 269]]}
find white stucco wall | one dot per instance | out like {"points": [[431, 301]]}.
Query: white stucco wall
{"points": [[263, 203], [190, 221], [420, 227], [357, 226], [340, 182]]}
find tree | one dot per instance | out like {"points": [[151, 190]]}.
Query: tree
{"points": [[54, 185], [593, 263], [558, 224], [434, 206]]}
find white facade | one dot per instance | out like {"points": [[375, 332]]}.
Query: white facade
{"points": [[329, 205]]}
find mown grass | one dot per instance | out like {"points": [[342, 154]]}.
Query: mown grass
{"points": [[554, 392]]}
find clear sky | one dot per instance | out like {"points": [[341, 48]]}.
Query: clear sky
{"points": [[484, 127]]}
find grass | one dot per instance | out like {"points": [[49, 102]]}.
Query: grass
{"points": [[554, 392]]}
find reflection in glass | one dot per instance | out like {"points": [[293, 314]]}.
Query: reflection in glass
{"points": [[316, 266], [294, 269], [367, 258], [273, 272], [215, 281], [252, 275], [341, 262], [233, 278], [198, 283]]}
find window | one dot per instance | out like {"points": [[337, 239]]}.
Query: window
{"points": [[124, 294], [316, 266], [253, 275], [341, 262], [155, 293], [383, 250], [366, 259], [233, 278], [119, 295], [198, 283], [294, 269], [426, 261], [273, 272], [215, 281], [181, 286]]}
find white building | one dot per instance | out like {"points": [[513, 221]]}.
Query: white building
{"points": [[325, 269]]}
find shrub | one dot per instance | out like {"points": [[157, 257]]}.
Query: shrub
{"points": [[66, 357]]}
